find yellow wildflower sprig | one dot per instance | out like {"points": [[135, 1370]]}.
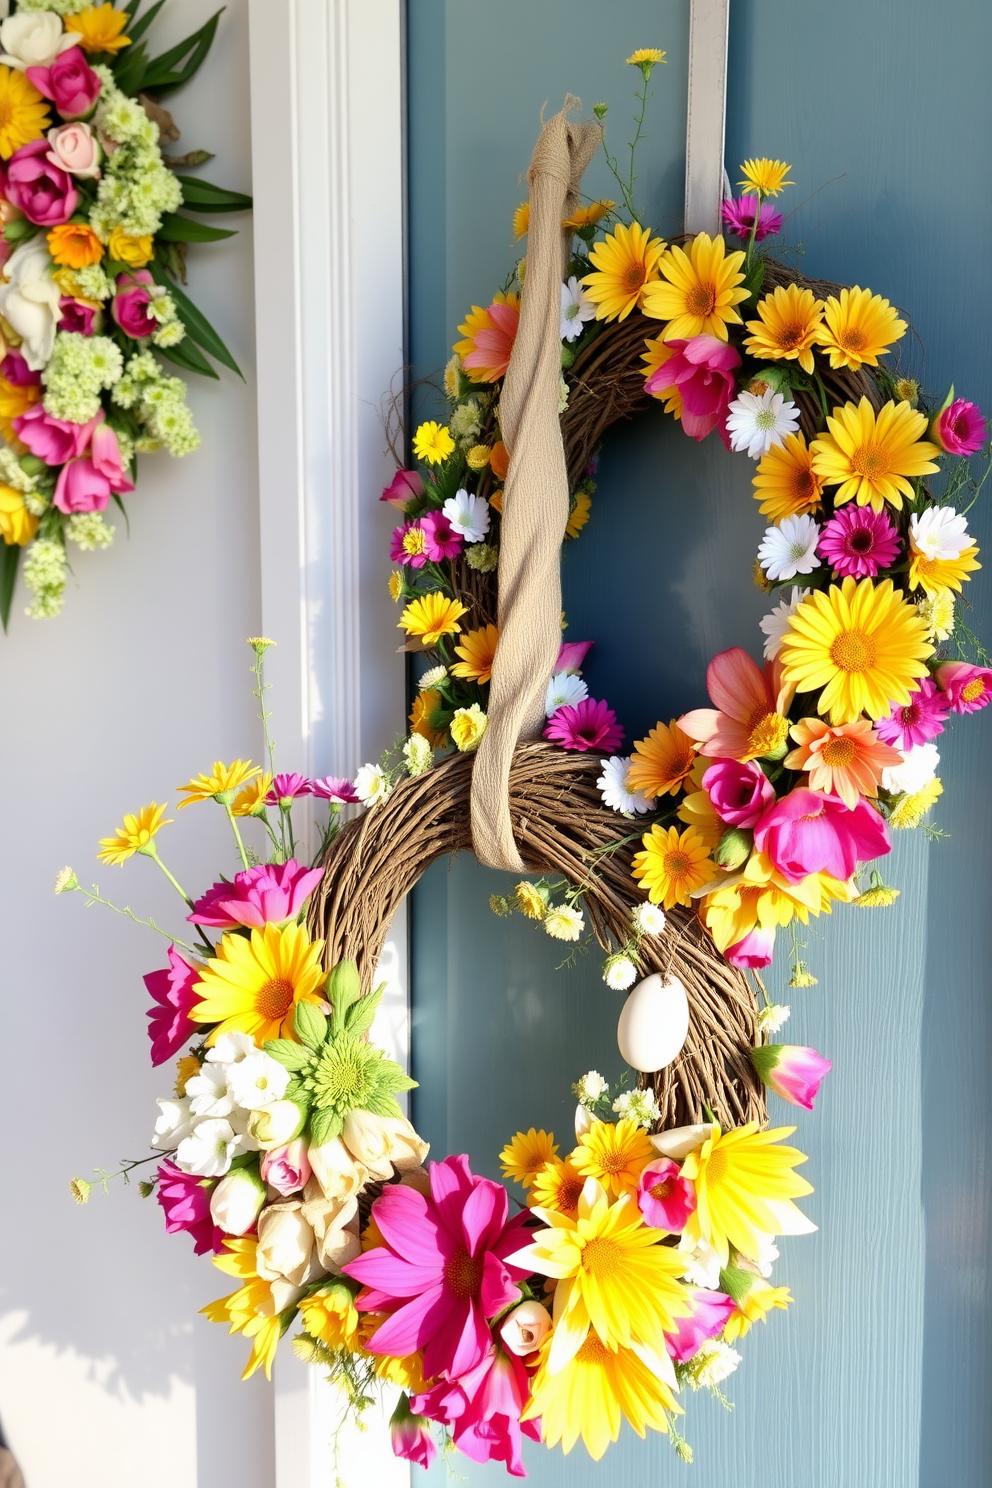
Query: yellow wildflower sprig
{"points": [[645, 59], [68, 883]]}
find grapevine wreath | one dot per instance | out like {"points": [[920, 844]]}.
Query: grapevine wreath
{"points": [[641, 1253]]}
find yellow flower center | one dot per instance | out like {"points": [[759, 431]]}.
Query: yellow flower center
{"points": [[602, 1258], [701, 300], [662, 1190], [676, 864], [869, 461], [974, 689], [768, 734], [839, 753], [852, 338], [414, 541], [273, 998], [462, 1274], [594, 1351], [853, 651]]}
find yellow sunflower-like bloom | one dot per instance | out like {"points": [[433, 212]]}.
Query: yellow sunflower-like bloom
{"points": [[615, 1156], [424, 705], [99, 28], [934, 575], [521, 220], [135, 252], [433, 443], [862, 643], [477, 650], [557, 1186], [672, 865], [787, 326], [74, 245], [330, 1315], [785, 482], [909, 811], [754, 1307], [134, 836], [656, 355], [645, 54], [871, 458], [762, 897], [764, 177], [859, 327], [530, 901], [661, 762], [524, 1157], [431, 617], [253, 983], [745, 1186], [17, 525], [24, 114], [697, 810], [250, 800], [579, 515], [251, 1309], [625, 263], [698, 289], [222, 781], [588, 216]]}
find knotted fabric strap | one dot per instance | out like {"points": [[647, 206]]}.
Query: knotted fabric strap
{"points": [[535, 493]]}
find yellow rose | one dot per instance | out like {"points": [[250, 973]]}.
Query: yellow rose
{"points": [[17, 525], [135, 252], [467, 728]]}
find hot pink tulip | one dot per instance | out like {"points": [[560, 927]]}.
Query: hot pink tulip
{"points": [[966, 688], [70, 83], [17, 371], [287, 1168], [739, 793], [410, 1435], [169, 1027], [105, 453], [81, 487], [405, 486], [755, 950], [809, 832], [45, 193], [710, 1311], [53, 440], [572, 654], [664, 1197], [129, 307], [793, 1071], [185, 1201], [959, 428], [266, 894], [702, 371]]}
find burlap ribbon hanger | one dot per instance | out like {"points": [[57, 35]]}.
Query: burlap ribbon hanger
{"points": [[535, 493]]}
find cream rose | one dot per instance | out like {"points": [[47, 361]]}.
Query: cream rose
{"points": [[526, 1328], [336, 1172], [275, 1125], [75, 149], [335, 1225], [33, 38], [29, 301], [287, 1247], [383, 1143]]}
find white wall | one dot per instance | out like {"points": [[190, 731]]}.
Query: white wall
{"points": [[107, 1376]]}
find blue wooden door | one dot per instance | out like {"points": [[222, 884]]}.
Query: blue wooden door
{"points": [[878, 1376]]}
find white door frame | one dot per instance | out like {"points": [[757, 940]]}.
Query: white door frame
{"points": [[328, 137]]}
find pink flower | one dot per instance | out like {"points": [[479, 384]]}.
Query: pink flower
{"points": [[959, 428], [702, 371], [858, 541], [966, 688], [793, 1071], [739, 793], [401, 554], [441, 538], [77, 316], [75, 149], [809, 832], [53, 440], [267, 894], [17, 371], [185, 1200], [756, 949], [494, 342], [664, 1197], [482, 1410], [410, 1435], [82, 487], [738, 216], [746, 697], [920, 720], [585, 725], [129, 307], [572, 655], [336, 789], [287, 1168], [45, 193], [405, 486], [169, 1026], [710, 1311], [286, 788], [442, 1272], [70, 83], [105, 452]]}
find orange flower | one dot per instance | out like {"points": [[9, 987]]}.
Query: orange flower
{"points": [[661, 762], [477, 651], [499, 460], [496, 501], [844, 760], [13, 402], [489, 336], [75, 245]]}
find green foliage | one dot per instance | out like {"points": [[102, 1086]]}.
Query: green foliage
{"points": [[177, 229], [139, 73], [203, 196], [10, 557], [198, 327]]}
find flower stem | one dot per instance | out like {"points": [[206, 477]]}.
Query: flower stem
{"points": [[237, 835], [151, 851], [752, 236], [95, 897], [259, 691], [628, 194]]}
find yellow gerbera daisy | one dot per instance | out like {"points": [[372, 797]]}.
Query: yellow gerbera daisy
{"points": [[424, 705], [697, 810], [785, 482], [588, 216], [645, 54], [433, 443], [477, 650], [661, 762], [753, 1307], [222, 782], [862, 643], [134, 836], [579, 515], [330, 1315], [253, 983], [656, 355], [698, 289], [765, 177], [625, 263], [99, 28], [432, 616], [17, 525], [745, 1186], [250, 800], [672, 865], [251, 1309], [872, 457], [910, 810], [787, 326], [858, 327], [934, 575], [524, 1157], [521, 220], [557, 1186], [615, 1156], [24, 114]]}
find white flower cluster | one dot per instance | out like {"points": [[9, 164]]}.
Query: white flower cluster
{"points": [[93, 283], [58, 7], [159, 403], [710, 1365], [89, 531], [773, 1017], [590, 1088], [44, 574], [12, 473], [80, 368], [163, 307], [136, 188], [639, 1106]]}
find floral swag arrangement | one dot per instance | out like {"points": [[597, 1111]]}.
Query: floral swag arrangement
{"points": [[92, 255], [642, 1252]]}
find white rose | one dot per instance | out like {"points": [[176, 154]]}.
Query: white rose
{"points": [[235, 1202], [382, 1143], [33, 38], [919, 766], [29, 301], [335, 1170], [286, 1245], [335, 1226], [275, 1125], [526, 1328], [258, 1081]]}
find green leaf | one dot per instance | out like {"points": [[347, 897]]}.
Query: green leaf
{"points": [[358, 1018], [180, 63], [203, 196], [190, 357], [310, 1025], [10, 556], [137, 31], [343, 988], [176, 229], [129, 74], [198, 327], [393, 1078], [323, 1126], [381, 1104], [291, 1056]]}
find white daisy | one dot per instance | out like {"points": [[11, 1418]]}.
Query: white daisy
{"points": [[773, 1017], [790, 548], [919, 766], [648, 919], [564, 690], [432, 677], [776, 622], [939, 532], [757, 421], [371, 785], [576, 308], [619, 973], [468, 515], [612, 786]]}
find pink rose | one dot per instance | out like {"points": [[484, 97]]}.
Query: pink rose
{"points": [[44, 192], [405, 486], [73, 147], [702, 371], [129, 306], [287, 1168], [17, 372], [959, 428], [710, 1311], [809, 832], [81, 487], [739, 793], [78, 316], [753, 951], [53, 440], [70, 83]]}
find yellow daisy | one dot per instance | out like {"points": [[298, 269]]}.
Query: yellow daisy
{"points": [[433, 443], [656, 355], [754, 1307], [579, 515], [698, 289], [557, 1186], [424, 706], [697, 810], [787, 326], [395, 585], [134, 836], [521, 220], [530, 901], [624, 264], [762, 897], [253, 983], [478, 457], [645, 54], [661, 762], [615, 1156], [745, 1186], [431, 617], [910, 810], [871, 458], [251, 1309], [330, 1315], [934, 575], [99, 28], [588, 216], [671, 865], [785, 482], [24, 114], [222, 782], [764, 177], [862, 643], [524, 1157], [250, 800], [17, 525], [592, 1394], [859, 327], [477, 650]]}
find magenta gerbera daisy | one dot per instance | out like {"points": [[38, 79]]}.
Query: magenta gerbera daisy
{"points": [[169, 1025], [409, 545], [585, 725], [336, 789], [919, 721], [858, 541], [738, 216], [440, 538], [965, 688], [287, 788]]}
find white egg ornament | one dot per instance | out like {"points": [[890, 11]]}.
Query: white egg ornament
{"points": [[654, 1023]]}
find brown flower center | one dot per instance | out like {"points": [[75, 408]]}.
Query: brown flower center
{"points": [[701, 300], [662, 1190], [853, 651], [676, 864], [462, 1274], [791, 336], [804, 484], [567, 1197], [273, 999], [632, 278], [853, 339]]}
